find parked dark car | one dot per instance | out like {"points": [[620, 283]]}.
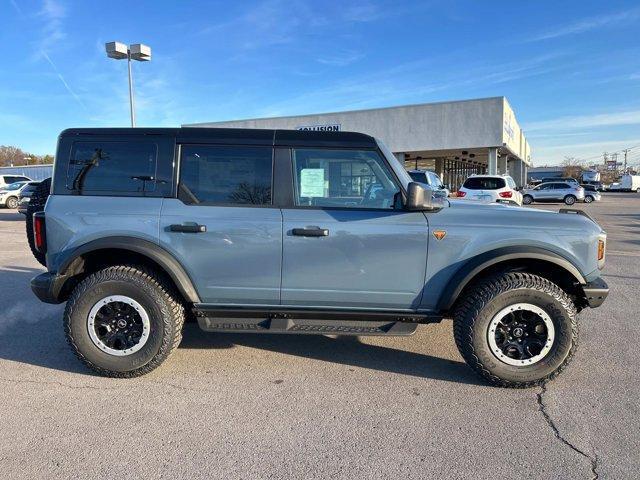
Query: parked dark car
{"points": [[591, 193], [598, 185], [25, 197]]}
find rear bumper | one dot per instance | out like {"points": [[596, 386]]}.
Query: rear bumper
{"points": [[47, 287], [595, 292]]}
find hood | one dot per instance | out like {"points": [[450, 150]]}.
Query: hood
{"points": [[498, 215]]}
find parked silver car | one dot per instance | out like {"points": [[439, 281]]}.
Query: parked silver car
{"points": [[591, 193], [568, 193]]}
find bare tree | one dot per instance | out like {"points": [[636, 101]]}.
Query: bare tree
{"points": [[571, 167], [14, 156], [11, 156]]}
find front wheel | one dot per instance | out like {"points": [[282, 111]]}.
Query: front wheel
{"points": [[588, 199], [516, 329], [527, 199], [123, 321], [569, 200], [12, 203]]}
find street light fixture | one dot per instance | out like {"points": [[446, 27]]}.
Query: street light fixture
{"points": [[135, 51]]}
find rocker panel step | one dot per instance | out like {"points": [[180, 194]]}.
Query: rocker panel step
{"points": [[306, 326]]}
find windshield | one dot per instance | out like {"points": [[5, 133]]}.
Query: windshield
{"points": [[14, 186], [398, 168]]}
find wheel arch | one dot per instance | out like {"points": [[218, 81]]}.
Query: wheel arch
{"points": [[118, 250], [531, 259]]}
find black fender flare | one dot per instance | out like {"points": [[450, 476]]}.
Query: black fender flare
{"points": [[476, 264], [143, 247]]}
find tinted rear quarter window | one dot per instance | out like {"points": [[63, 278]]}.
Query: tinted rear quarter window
{"points": [[484, 183], [217, 175], [112, 167]]}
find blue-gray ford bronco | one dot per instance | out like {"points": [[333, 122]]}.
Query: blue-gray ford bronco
{"points": [[278, 231]]}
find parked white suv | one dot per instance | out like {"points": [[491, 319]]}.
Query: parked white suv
{"points": [[7, 179], [490, 188]]}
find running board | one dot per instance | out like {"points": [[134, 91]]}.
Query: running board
{"points": [[319, 322]]}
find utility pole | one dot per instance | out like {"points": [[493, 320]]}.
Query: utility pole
{"points": [[626, 151]]}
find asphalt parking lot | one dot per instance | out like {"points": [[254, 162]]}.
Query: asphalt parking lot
{"points": [[315, 407]]}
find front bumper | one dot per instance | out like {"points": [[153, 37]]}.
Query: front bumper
{"points": [[595, 292], [47, 287]]}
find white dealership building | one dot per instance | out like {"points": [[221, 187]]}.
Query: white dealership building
{"points": [[454, 139]]}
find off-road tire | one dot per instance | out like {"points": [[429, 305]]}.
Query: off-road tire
{"points": [[569, 200], [151, 290], [482, 301], [588, 199], [527, 199], [11, 203], [36, 204]]}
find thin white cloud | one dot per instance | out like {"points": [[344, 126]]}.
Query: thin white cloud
{"points": [[405, 82], [590, 151], [53, 14], [590, 23], [631, 117], [340, 59], [45, 55], [278, 22], [17, 7]]}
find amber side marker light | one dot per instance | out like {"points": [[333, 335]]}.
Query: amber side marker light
{"points": [[600, 250]]}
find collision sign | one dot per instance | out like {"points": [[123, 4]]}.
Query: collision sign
{"points": [[329, 127]]}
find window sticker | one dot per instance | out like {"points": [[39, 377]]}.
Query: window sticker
{"points": [[312, 182]]}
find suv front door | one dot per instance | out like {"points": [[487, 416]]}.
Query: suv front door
{"points": [[223, 226], [347, 241]]}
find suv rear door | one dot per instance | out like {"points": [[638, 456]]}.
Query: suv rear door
{"points": [[223, 226], [347, 241]]}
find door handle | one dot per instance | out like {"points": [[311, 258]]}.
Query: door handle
{"points": [[311, 232], [188, 228]]}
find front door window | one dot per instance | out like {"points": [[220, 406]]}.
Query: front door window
{"points": [[343, 178]]}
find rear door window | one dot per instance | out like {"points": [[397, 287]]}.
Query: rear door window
{"points": [[484, 183], [127, 167], [225, 175]]}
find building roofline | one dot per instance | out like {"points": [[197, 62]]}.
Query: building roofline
{"points": [[340, 112], [28, 166]]}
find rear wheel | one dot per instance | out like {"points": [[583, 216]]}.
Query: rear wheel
{"points": [[123, 321], [527, 199], [516, 330], [569, 200], [12, 203]]}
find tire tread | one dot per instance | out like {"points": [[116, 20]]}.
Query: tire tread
{"points": [[173, 317], [478, 296]]}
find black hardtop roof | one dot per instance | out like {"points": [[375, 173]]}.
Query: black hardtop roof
{"points": [[244, 136]]}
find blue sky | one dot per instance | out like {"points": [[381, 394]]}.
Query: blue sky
{"points": [[570, 69]]}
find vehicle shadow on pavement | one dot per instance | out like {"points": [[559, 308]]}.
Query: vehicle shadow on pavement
{"points": [[31, 332], [12, 217], [346, 350]]}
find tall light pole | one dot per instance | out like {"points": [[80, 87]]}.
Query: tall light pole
{"points": [[135, 51]]}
